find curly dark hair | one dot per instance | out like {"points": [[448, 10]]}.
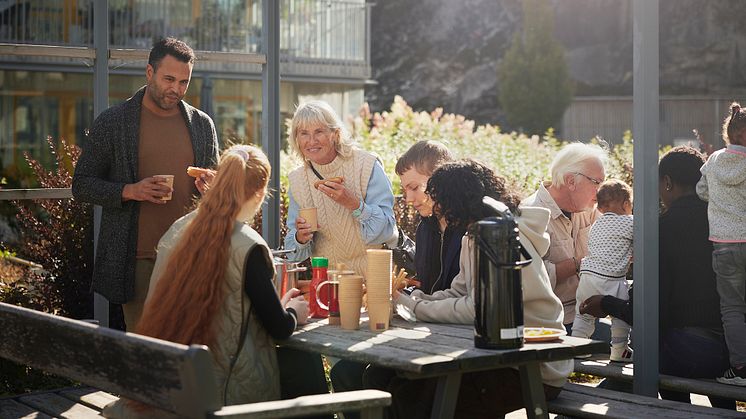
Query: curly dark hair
{"points": [[682, 165], [457, 188]]}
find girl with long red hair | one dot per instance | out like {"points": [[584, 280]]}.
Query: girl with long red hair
{"points": [[212, 283]]}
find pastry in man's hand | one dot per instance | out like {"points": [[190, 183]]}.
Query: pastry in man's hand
{"points": [[197, 171], [336, 179]]}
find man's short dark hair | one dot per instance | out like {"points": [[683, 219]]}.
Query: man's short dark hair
{"points": [[424, 156], [173, 47]]}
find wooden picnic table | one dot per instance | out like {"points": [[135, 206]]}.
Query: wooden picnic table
{"points": [[446, 351]]}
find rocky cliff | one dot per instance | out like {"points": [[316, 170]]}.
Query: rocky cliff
{"points": [[446, 52]]}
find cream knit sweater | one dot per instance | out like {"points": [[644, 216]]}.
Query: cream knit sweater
{"points": [[339, 237]]}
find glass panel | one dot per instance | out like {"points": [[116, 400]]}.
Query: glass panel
{"points": [[34, 105], [325, 29]]}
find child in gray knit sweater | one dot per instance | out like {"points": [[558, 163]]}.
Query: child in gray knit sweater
{"points": [[723, 184]]}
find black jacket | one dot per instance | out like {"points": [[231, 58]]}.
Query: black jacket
{"points": [[687, 293], [431, 256], [109, 162], [688, 297]]}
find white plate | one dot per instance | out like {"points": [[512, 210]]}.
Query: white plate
{"points": [[541, 334]]}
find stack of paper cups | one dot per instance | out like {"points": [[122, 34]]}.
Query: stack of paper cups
{"points": [[350, 300], [378, 288]]}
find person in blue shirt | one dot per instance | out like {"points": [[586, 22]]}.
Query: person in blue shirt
{"points": [[347, 186]]}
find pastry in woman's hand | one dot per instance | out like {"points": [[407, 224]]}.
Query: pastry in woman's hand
{"points": [[336, 179]]}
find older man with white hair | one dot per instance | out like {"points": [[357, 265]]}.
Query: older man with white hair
{"points": [[577, 171]]}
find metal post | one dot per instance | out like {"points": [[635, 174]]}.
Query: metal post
{"points": [[646, 104], [271, 117], [100, 103], [368, 12]]}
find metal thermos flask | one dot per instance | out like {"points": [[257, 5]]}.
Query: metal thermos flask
{"points": [[498, 294]]}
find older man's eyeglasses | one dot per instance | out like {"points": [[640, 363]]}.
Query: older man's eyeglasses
{"points": [[595, 181]]}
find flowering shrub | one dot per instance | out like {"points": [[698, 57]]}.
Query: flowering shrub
{"points": [[523, 160], [57, 233]]}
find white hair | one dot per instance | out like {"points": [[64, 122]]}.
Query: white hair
{"points": [[319, 112], [574, 158]]}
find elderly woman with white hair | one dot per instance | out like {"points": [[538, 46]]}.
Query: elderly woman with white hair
{"points": [[577, 171], [346, 185]]}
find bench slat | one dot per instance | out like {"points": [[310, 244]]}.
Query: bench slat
{"points": [[11, 409], [91, 397], [308, 405], [175, 377], [592, 402], [625, 372], [58, 406]]}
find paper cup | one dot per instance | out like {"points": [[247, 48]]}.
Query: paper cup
{"points": [[350, 301], [168, 180], [379, 315], [349, 314], [310, 215]]}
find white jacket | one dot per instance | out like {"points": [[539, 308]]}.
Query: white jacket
{"points": [[723, 185], [541, 307]]}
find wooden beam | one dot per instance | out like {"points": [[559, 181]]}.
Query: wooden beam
{"points": [[46, 51], [122, 53], [41, 193], [212, 56]]}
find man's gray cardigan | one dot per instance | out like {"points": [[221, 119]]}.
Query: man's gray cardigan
{"points": [[108, 162]]}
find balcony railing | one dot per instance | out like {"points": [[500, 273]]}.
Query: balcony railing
{"points": [[310, 29]]}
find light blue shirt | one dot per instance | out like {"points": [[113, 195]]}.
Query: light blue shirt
{"points": [[377, 223]]}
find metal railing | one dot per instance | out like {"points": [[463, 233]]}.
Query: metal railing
{"points": [[39, 193], [313, 29]]}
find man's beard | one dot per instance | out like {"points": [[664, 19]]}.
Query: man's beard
{"points": [[159, 97]]}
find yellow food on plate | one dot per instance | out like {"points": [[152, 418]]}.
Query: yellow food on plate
{"points": [[538, 332]]}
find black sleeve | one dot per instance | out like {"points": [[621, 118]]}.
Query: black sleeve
{"points": [[280, 323], [615, 307]]}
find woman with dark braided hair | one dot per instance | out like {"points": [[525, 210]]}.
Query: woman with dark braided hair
{"points": [[457, 190]]}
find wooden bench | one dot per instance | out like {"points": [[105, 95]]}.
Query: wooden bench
{"points": [[176, 378], [600, 366], [581, 401]]}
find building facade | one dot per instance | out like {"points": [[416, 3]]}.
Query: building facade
{"points": [[609, 117], [324, 47]]}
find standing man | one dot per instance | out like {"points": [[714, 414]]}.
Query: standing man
{"points": [[152, 133], [577, 171]]}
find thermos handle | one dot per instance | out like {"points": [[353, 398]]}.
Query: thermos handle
{"points": [[493, 257]]}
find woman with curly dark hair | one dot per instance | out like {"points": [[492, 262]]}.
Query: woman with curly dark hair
{"points": [[457, 190]]}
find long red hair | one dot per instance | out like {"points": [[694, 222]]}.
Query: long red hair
{"points": [[189, 293]]}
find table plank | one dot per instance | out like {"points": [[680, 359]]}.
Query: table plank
{"points": [[427, 349], [91, 397], [58, 406], [11, 409]]}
